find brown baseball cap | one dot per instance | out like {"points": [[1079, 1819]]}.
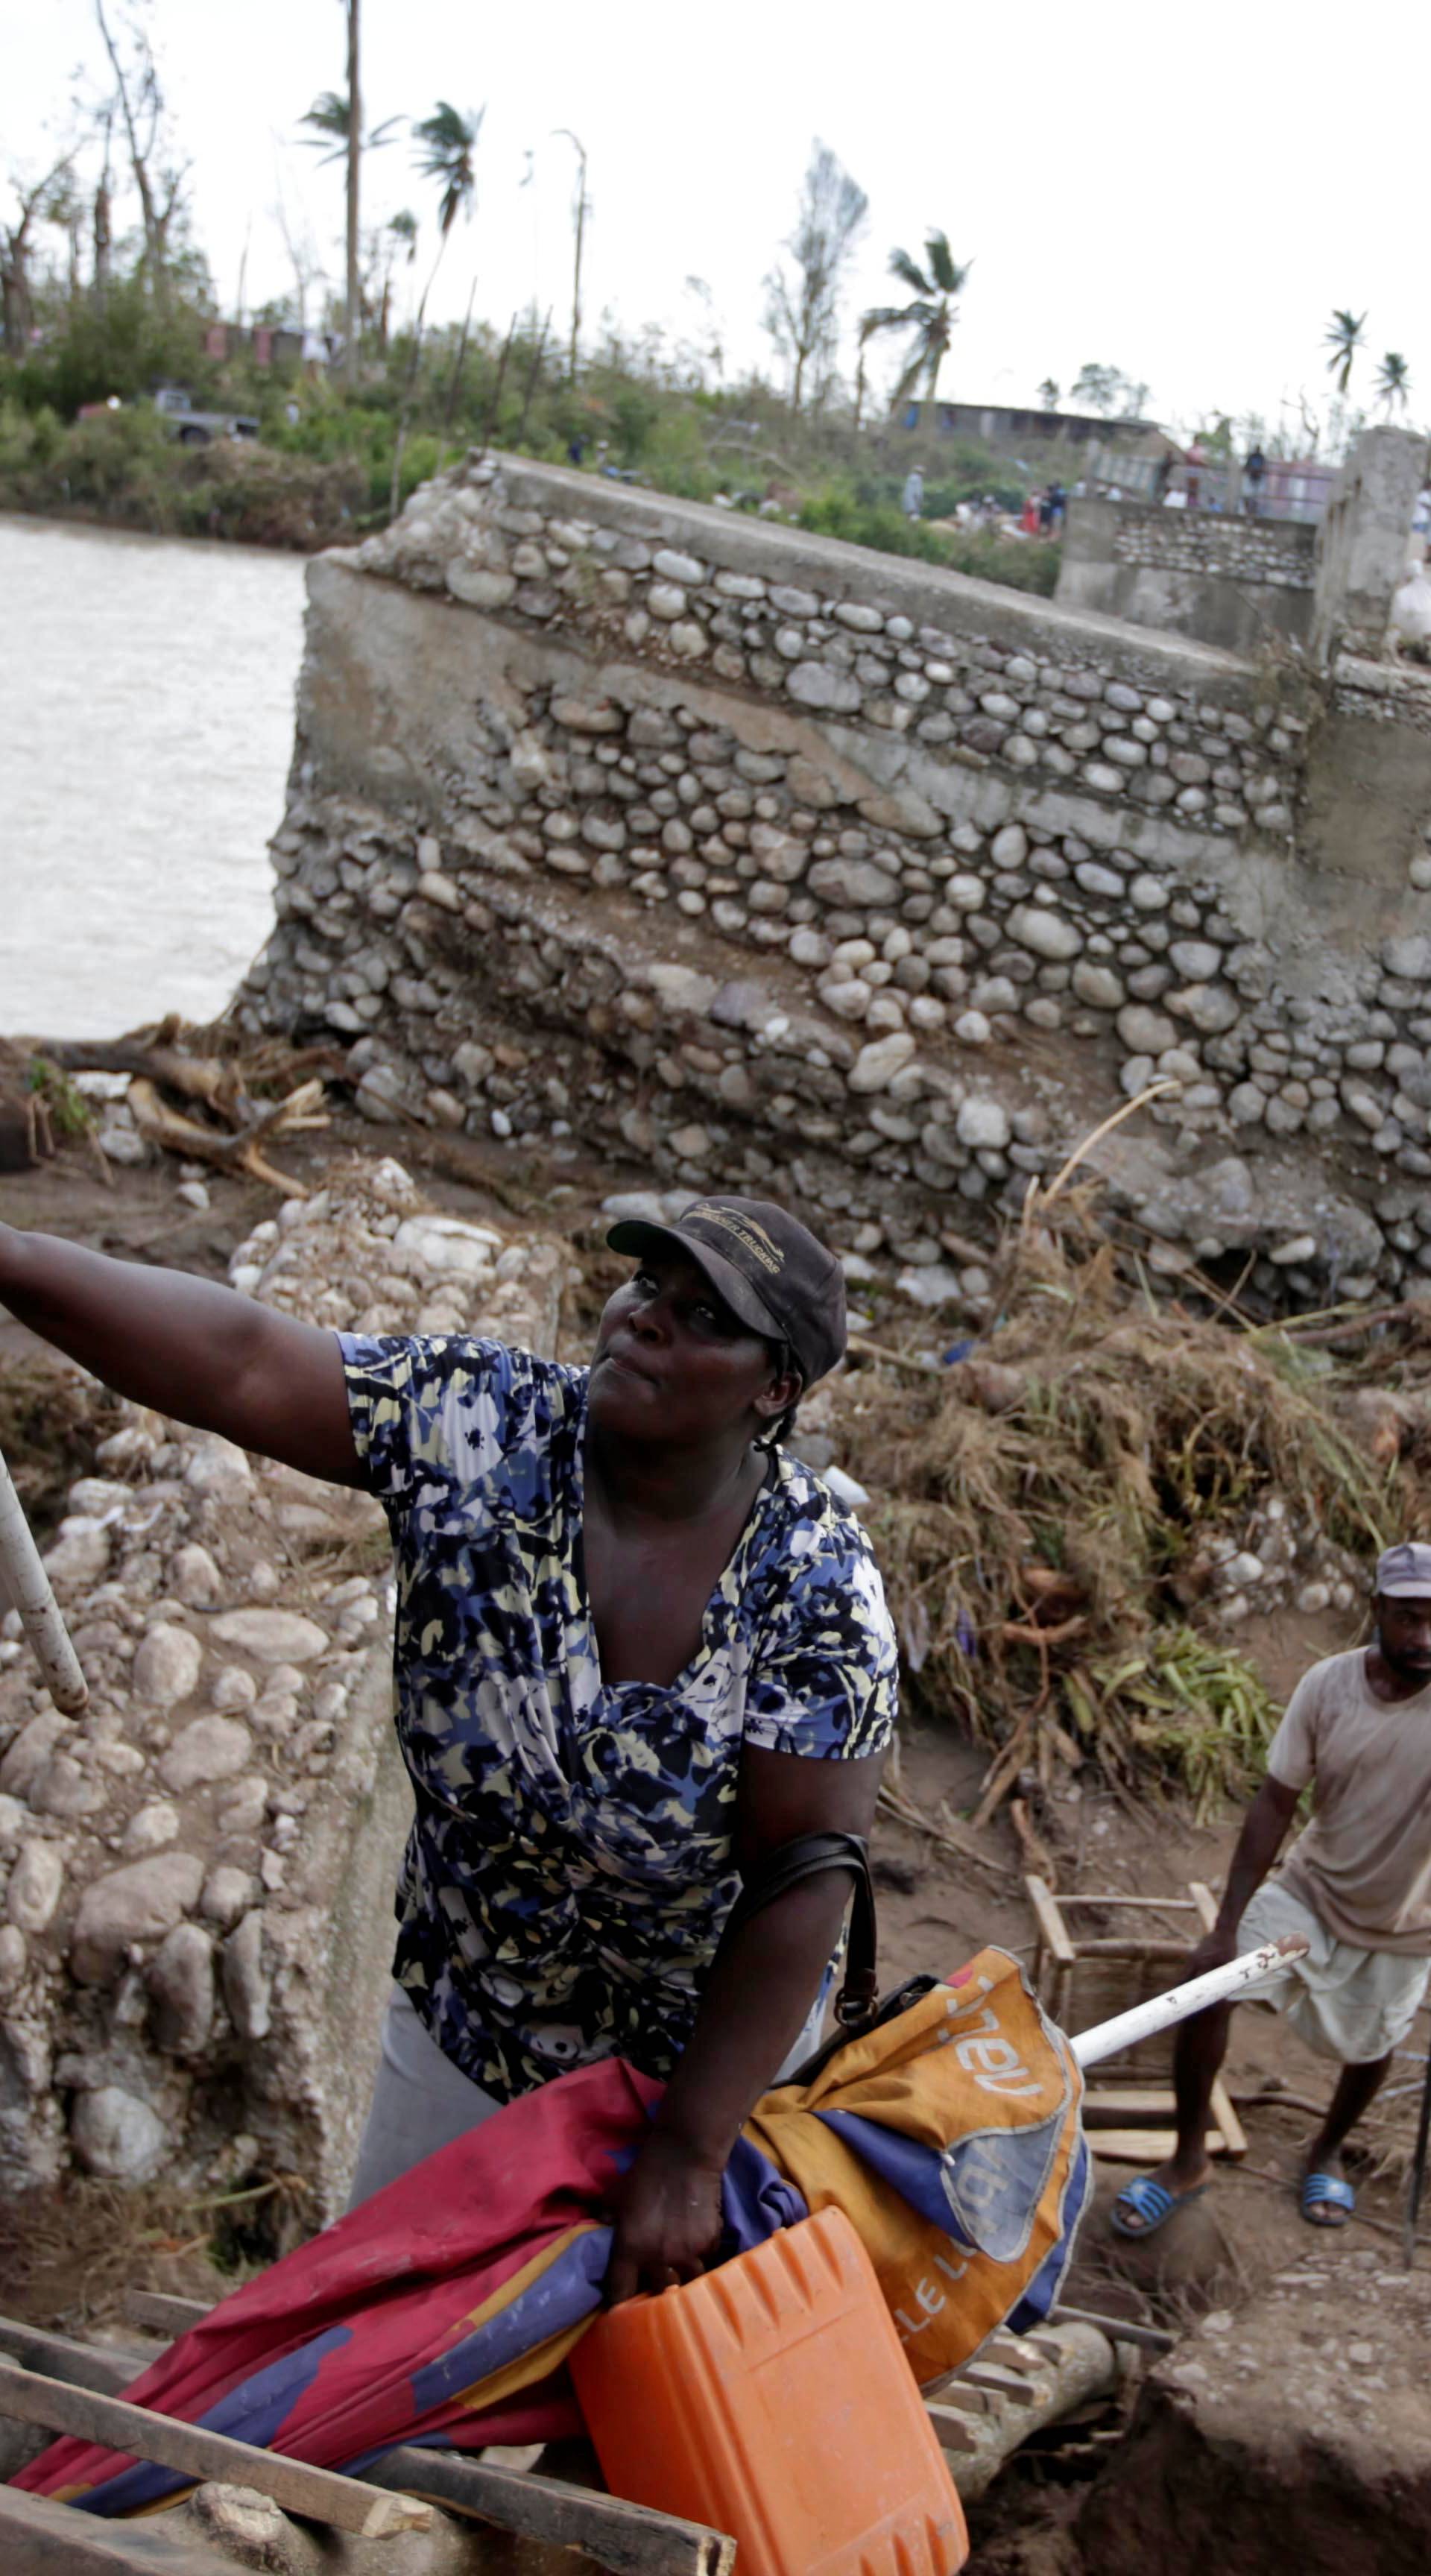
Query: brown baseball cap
{"points": [[766, 1266]]}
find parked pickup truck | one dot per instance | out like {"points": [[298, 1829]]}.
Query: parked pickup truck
{"points": [[196, 428]]}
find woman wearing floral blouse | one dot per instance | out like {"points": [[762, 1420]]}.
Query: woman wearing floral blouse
{"points": [[637, 1649]]}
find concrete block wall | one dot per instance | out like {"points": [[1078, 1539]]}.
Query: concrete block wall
{"points": [[1362, 542], [1235, 582], [779, 864]]}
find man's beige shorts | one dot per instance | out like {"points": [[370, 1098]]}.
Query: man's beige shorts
{"points": [[1354, 2005]]}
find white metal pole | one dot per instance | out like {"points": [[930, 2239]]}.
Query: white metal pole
{"points": [[28, 1584], [1160, 2012]]}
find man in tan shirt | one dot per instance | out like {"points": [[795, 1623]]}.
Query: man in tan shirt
{"points": [[1356, 1885]]}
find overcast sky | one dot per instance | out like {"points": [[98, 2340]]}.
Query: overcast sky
{"points": [[1184, 194]]}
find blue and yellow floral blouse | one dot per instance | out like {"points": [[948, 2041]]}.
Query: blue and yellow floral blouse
{"points": [[570, 1865]]}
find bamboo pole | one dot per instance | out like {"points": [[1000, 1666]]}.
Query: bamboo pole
{"points": [[28, 1585]]}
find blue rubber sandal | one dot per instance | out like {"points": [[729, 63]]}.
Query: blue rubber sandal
{"points": [[1151, 2203], [1323, 2191]]}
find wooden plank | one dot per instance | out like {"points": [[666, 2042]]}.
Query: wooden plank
{"points": [[1117, 2329], [1233, 2133], [1157, 2098], [1008, 2385], [615, 2534], [84, 2365], [1165, 1953], [953, 2429], [953, 2389], [166, 2315], [41, 2538], [1143, 2146], [1206, 1903], [630, 2539], [1142, 1904], [321, 2494], [1053, 1932]]}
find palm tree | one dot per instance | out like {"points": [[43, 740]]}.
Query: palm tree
{"points": [[1343, 339], [447, 153], [929, 319], [335, 127], [1394, 382], [448, 141]]}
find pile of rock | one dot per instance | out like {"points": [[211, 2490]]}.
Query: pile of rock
{"points": [[1283, 1559], [196, 1876]]}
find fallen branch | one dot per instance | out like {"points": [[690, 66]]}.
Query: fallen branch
{"points": [[233, 1153], [1035, 1853], [1003, 1771], [1351, 1331], [1038, 1200], [950, 1838], [895, 1359]]}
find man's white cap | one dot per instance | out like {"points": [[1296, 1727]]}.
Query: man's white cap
{"points": [[1404, 1572]]}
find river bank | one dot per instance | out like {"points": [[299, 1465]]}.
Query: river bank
{"points": [[124, 470]]}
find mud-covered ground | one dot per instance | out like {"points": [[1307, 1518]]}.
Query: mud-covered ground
{"points": [[1219, 2260]]}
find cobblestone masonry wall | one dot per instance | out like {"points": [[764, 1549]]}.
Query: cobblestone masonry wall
{"points": [[786, 866], [196, 1877], [1225, 579], [1256, 550]]}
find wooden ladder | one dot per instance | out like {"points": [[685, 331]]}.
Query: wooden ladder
{"points": [[1128, 2120]]}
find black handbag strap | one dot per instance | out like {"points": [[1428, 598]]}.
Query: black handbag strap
{"points": [[808, 1856]]}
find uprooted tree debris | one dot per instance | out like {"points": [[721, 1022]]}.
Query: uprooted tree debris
{"points": [[1073, 1518], [188, 1091]]}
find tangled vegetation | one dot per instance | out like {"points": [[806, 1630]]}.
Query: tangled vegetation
{"points": [[1053, 1523], [327, 459]]}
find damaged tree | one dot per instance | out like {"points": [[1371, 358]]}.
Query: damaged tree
{"points": [[802, 310], [140, 99], [17, 242]]}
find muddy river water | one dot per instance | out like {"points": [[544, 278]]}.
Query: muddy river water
{"points": [[146, 724]]}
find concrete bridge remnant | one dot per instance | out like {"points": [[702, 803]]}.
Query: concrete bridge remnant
{"points": [[786, 866]]}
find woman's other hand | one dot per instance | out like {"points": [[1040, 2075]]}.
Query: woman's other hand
{"points": [[668, 2218]]}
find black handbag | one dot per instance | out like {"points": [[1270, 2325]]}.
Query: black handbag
{"points": [[857, 2009]]}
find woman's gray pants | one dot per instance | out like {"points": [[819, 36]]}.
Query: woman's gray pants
{"points": [[421, 2101]]}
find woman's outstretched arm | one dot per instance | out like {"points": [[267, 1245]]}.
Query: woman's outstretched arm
{"points": [[189, 1348]]}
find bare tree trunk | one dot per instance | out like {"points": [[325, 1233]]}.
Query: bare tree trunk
{"points": [[458, 362], [581, 211], [355, 159], [103, 241], [139, 163], [533, 371], [14, 299], [490, 422], [15, 246], [576, 278], [410, 387]]}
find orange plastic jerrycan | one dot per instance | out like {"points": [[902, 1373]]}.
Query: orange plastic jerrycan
{"points": [[770, 2399]]}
